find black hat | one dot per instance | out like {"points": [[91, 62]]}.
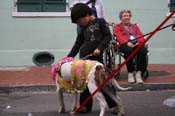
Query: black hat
{"points": [[78, 11]]}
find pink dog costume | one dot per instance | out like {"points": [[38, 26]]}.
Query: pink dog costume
{"points": [[73, 74]]}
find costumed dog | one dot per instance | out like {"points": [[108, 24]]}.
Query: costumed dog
{"points": [[73, 76]]}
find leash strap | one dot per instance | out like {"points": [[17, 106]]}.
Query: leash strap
{"points": [[110, 76]]}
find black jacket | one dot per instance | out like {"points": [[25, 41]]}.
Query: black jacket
{"points": [[96, 35]]}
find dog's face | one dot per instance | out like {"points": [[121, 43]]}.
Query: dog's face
{"points": [[55, 67], [65, 71]]}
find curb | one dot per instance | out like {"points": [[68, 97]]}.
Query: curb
{"points": [[27, 88], [150, 86], [41, 88]]}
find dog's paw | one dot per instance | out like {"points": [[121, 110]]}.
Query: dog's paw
{"points": [[129, 88], [61, 110], [72, 113], [120, 114]]}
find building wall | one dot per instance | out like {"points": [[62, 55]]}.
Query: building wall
{"points": [[21, 38]]}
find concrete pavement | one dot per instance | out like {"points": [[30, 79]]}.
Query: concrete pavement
{"points": [[136, 103]]}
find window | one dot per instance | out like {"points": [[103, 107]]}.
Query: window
{"points": [[172, 5], [41, 8]]}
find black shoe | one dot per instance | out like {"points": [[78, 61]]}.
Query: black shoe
{"points": [[84, 110], [115, 110]]}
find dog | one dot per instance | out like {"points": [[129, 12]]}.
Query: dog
{"points": [[73, 76]]}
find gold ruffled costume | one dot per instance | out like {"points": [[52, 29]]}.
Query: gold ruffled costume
{"points": [[80, 71]]}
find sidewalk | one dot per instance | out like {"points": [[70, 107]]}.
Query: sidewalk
{"points": [[14, 79]]}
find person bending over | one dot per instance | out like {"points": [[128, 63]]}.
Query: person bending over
{"points": [[93, 39]]}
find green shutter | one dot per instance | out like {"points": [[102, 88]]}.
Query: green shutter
{"points": [[54, 6], [29, 5], [41, 5], [172, 5]]}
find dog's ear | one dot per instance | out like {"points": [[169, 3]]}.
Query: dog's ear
{"points": [[99, 75], [99, 67]]}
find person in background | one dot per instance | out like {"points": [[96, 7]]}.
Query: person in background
{"points": [[97, 8], [129, 36], [93, 39]]}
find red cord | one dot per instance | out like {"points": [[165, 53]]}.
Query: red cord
{"points": [[110, 76]]}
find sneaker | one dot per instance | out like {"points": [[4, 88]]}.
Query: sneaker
{"points": [[131, 78], [139, 77]]}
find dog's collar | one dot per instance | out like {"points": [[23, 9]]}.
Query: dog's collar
{"points": [[59, 69], [59, 72]]}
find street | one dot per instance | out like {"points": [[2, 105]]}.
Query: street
{"points": [[136, 103]]}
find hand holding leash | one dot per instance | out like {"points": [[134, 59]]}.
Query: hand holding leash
{"points": [[130, 44], [96, 52], [111, 24]]}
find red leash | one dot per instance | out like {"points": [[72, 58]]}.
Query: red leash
{"points": [[123, 63]]}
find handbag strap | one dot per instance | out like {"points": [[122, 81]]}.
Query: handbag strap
{"points": [[94, 12], [132, 31], [91, 1]]}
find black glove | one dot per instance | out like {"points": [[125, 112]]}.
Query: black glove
{"points": [[134, 41], [173, 26]]}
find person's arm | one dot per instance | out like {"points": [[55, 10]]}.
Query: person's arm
{"points": [[107, 36], [139, 34], [75, 49], [102, 13], [121, 37]]}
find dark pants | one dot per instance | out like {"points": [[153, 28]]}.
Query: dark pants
{"points": [[83, 97], [86, 93], [141, 59]]}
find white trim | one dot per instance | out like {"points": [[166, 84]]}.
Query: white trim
{"points": [[14, 68], [65, 50], [15, 13], [41, 14], [35, 50]]}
